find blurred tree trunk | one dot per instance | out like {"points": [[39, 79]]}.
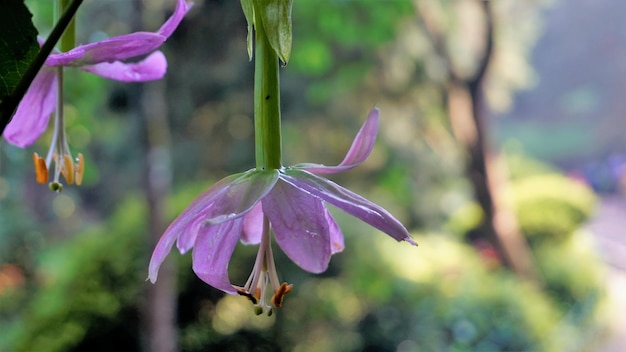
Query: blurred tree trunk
{"points": [[159, 328], [160, 313], [464, 103]]}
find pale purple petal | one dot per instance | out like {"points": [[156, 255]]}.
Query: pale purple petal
{"points": [[220, 202], [347, 201], [151, 68], [300, 226], [108, 50], [121, 47], [214, 247], [359, 151], [182, 6], [189, 233], [242, 195], [195, 212], [336, 237], [253, 225], [33, 113]]}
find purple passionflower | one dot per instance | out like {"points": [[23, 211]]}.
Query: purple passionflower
{"points": [[243, 207], [103, 58]]}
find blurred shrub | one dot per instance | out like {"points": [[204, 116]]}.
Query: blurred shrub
{"points": [[437, 297], [572, 269], [575, 282], [520, 166], [551, 206], [86, 289], [89, 292]]}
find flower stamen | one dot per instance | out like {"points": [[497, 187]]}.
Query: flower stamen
{"points": [[262, 287], [68, 169], [41, 170], [248, 295], [278, 297], [59, 152], [79, 169]]}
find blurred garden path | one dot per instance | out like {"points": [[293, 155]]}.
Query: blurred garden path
{"points": [[608, 227]]}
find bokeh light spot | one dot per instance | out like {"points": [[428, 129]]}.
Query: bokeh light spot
{"points": [[63, 206]]}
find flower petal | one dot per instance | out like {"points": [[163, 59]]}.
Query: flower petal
{"points": [[242, 195], [33, 113], [300, 226], [182, 6], [121, 47], [229, 198], [108, 50], [189, 233], [253, 225], [194, 213], [347, 201], [211, 254], [151, 68], [359, 151], [336, 237]]}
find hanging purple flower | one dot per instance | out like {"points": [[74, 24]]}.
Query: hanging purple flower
{"points": [[289, 201], [103, 58]]}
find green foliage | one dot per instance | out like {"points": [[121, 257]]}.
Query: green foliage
{"points": [[351, 24], [315, 58], [341, 31], [550, 209], [18, 52], [574, 279], [86, 287], [432, 298], [88, 290], [521, 166], [18, 44], [551, 206], [438, 296], [467, 217]]}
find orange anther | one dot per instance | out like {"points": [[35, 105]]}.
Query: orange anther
{"points": [[278, 297], [41, 171], [68, 169], [80, 169]]}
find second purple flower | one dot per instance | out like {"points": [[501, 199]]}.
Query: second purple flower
{"points": [[288, 201]]}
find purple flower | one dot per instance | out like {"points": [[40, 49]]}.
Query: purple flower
{"points": [[290, 201], [102, 58]]}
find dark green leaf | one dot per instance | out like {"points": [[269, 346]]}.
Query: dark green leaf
{"points": [[18, 44]]}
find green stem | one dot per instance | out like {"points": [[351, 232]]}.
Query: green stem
{"points": [[266, 102], [68, 39]]}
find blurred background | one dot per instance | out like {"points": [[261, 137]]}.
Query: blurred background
{"points": [[502, 149]]}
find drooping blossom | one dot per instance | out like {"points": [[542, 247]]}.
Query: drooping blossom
{"points": [[103, 58], [291, 202]]}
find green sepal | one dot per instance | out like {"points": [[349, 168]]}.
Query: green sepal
{"points": [[248, 11], [276, 18]]}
